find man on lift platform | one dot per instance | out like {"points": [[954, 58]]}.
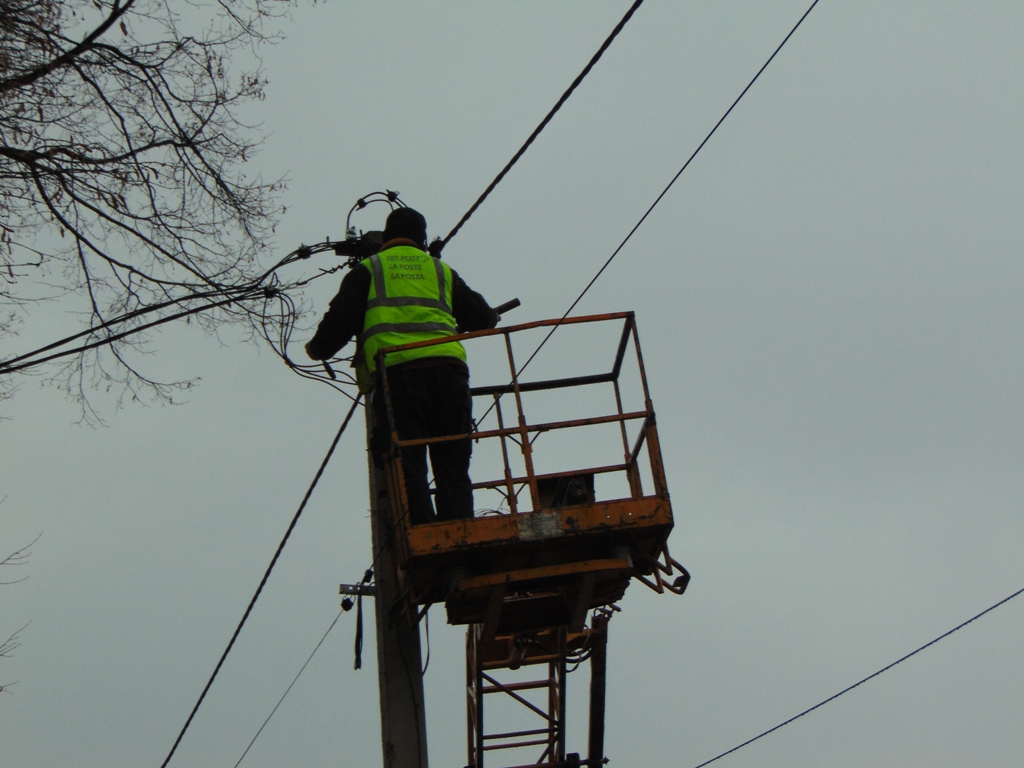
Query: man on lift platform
{"points": [[399, 296]]}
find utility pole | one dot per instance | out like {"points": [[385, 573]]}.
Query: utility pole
{"points": [[403, 725]]}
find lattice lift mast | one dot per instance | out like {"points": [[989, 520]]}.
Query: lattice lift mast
{"points": [[523, 579]]}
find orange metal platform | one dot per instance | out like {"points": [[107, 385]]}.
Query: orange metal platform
{"points": [[554, 551]]}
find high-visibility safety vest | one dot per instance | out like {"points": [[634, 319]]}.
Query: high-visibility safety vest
{"points": [[410, 300]]}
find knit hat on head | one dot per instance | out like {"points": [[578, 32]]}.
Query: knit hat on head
{"points": [[406, 222]]}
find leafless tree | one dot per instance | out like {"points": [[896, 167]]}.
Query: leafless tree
{"points": [[123, 183]]}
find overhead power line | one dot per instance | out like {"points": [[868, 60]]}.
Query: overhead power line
{"points": [[288, 689], [690, 159], [546, 120], [832, 698], [259, 589], [665, 190]]}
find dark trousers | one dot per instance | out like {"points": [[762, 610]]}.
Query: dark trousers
{"points": [[432, 401]]}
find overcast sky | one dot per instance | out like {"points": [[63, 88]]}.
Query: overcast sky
{"points": [[829, 302]]}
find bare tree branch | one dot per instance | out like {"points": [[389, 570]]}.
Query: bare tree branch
{"points": [[122, 168], [17, 558], [8, 646]]}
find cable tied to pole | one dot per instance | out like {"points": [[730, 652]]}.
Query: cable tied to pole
{"points": [[367, 578]]}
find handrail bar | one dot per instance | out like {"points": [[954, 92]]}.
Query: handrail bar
{"points": [[507, 329], [604, 470], [517, 734], [536, 386], [508, 431]]}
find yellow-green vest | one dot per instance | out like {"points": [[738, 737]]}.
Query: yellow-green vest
{"points": [[410, 300]]}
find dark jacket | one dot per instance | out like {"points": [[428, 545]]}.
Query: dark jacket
{"points": [[344, 319]]}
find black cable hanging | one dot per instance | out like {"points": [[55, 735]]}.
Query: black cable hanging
{"points": [[367, 578], [861, 682], [259, 589]]}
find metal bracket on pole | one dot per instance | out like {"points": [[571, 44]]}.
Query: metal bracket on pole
{"points": [[369, 590]]}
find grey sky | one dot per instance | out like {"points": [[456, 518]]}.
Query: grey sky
{"points": [[829, 304]]}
